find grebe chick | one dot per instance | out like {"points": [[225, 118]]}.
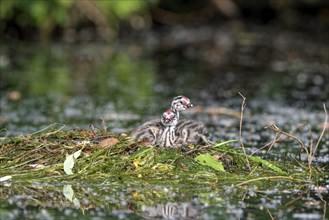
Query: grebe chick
{"points": [[169, 118], [180, 103], [150, 131], [191, 132], [167, 138], [187, 131]]}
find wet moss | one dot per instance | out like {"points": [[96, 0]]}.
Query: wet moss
{"points": [[115, 158], [111, 168]]}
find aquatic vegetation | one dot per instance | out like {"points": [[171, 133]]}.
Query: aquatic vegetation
{"points": [[80, 169], [46, 15], [98, 156]]}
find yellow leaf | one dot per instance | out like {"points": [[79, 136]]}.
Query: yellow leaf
{"points": [[136, 162], [191, 146], [135, 196]]}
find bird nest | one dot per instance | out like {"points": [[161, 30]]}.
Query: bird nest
{"points": [[91, 156]]}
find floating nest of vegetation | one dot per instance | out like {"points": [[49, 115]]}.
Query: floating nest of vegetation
{"points": [[33, 166], [96, 157]]}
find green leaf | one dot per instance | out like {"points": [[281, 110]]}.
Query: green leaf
{"points": [[69, 162], [141, 153], [252, 158], [208, 160], [76, 154], [268, 164]]}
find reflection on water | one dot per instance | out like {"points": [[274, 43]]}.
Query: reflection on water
{"points": [[58, 85], [58, 72], [69, 194], [48, 201], [174, 210]]}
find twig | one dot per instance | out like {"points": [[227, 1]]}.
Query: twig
{"points": [[277, 137], [308, 151], [271, 144], [243, 106], [49, 126], [104, 127], [271, 216], [276, 129], [275, 140], [324, 205], [309, 158], [322, 133], [196, 149], [266, 178]]}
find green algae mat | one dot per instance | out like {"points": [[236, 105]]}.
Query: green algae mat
{"points": [[79, 171], [98, 156]]}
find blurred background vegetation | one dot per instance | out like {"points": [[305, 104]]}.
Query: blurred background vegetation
{"points": [[87, 59], [56, 17], [103, 19]]}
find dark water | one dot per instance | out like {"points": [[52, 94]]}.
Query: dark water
{"points": [[283, 75], [110, 201]]}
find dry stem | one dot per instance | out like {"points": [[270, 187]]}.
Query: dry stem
{"points": [[243, 106], [310, 152], [266, 178], [276, 139], [322, 133]]}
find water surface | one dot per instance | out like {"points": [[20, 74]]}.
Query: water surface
{"points": [[283, 75]]}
